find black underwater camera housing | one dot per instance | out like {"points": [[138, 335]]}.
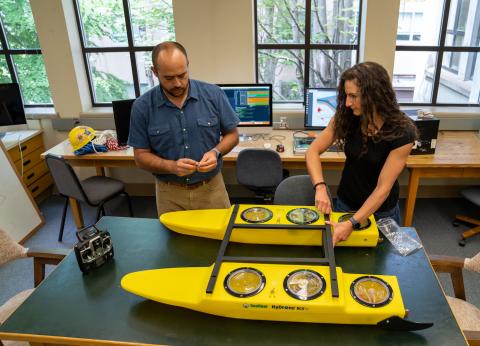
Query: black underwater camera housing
{"points": [[93, 249]]}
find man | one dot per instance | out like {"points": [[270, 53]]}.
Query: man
{"points": [[175, 131]]}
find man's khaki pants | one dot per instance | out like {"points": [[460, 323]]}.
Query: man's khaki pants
{"points": [[211, 195]]}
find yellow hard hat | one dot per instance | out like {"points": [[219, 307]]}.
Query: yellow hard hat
{"points": [[80, 136]]}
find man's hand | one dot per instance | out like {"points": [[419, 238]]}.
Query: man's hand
{"points": [[184, 167], [322, 200], [208, 162], [341, 230]]}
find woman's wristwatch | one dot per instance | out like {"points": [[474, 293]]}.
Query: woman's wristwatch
{"points": [[355, 223]]}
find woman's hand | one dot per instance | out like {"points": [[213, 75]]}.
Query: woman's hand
{"points": [[322, 200], [341, 230]]}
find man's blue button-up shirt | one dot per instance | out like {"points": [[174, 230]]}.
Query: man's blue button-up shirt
{"points": [[190, 132]]}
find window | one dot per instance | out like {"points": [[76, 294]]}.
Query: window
{"points": [[21, 59], [304, 43], [117, 39], [440, 67]]}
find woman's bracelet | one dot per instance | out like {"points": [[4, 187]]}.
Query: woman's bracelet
{"points": [[320, 183]]}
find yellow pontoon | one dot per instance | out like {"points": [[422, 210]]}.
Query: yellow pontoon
{"points": [[276, 292], [268, 221]]}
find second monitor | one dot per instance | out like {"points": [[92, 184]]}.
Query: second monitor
{"points": [[121, 114], [252, 103], [320, 107]]}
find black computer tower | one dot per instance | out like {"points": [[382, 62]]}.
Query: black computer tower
{"points": [[428, 132]]}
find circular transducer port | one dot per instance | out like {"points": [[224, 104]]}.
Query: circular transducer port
{"points": [[371, 291], [244, 282], [304, 284], [256, 215], [302, 216], [363, 225]]}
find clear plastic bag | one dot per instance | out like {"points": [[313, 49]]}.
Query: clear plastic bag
{"points": [[400, 240]]}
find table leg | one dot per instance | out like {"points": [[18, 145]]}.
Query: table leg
{"points": [[411, 196], [77, 212], [100, 171]]}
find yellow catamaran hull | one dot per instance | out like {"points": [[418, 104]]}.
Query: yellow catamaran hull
{"points": [[212, 223], [185, 287]]}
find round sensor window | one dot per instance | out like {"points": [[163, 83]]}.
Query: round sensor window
{"points": [[302, 216], [304, 284], [256, 215], [244, 282], [371, 291]]}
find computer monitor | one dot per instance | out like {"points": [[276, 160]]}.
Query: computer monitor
{"points": [[252, 103], [11, 106], [320, 107], [121, 113]]}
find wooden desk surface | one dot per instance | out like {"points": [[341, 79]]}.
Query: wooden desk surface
{"points": [[114, 158], [72, 308], [64, 149], [454, 149]]}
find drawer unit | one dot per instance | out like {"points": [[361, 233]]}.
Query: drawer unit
{"points": [[26, 157], [40, 185], [26, 147], [30, 160], [35, 173]]}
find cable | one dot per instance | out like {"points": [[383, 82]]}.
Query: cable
{"points": [[267, 137], [278, 138]]}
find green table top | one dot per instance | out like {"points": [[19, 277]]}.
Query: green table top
{"points": [[69, 304]]}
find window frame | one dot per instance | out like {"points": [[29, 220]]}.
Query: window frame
{"points": [[9, 53], [307, 47], [440, 49], [130, 48]]}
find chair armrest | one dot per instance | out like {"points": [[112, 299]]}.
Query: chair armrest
{"points": [[446, 264], [453, 266], [42, 257], [473, 337]]}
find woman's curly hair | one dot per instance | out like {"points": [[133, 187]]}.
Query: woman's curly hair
{"points": [[377, 96]]}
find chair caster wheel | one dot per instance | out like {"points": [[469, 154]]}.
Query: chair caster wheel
{"points": [[461, 242], [455, 223]]}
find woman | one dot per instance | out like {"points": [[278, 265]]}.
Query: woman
{"points": [[376, 138]]}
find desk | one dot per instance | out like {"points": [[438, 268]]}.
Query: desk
{"points": [[71, 308], [457, 156], [124, 158]]}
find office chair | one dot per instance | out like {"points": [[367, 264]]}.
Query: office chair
{"points": [[466, 314], [260, 170], [296, 190], [473, 195], [11, 250], [95, 191]]}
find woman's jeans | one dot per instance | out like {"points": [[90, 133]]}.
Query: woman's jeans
{"points": [[393, 213]]}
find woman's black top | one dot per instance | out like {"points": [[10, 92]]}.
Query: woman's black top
{"points": [[360, 175]]}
